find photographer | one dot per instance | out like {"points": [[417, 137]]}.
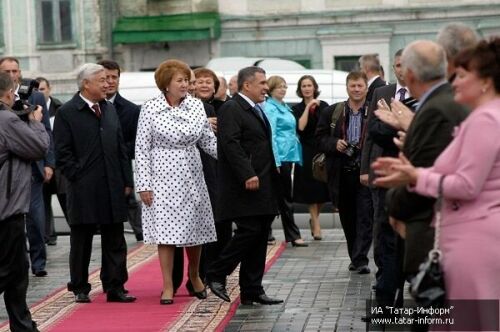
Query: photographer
{"points": [[342, 146], [42, 170], [20, 143]]}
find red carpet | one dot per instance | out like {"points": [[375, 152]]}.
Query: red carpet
{"points": [[59, 313]]}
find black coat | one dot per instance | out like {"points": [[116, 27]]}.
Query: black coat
{"points": [[128, 113], [244, 150], [428, 135], [327, 143], [209, 164], [371, 89], [54, 106], [92, 155]]}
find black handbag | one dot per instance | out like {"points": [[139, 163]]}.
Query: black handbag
{"points": [[427, 288], [319, 171]]}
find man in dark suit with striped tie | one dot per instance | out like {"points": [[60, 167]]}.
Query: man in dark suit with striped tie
{"points": [[247, 183], [379, 142]]}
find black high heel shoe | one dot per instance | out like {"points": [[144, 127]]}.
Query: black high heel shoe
{"points": [[200, 295], [295, 244], [315, 237], [165, 301]]}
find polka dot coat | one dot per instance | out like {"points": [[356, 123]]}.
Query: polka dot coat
{"points": [[168, 164]]}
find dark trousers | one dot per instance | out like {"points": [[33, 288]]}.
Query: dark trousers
{"points": [[50, 230], [355, 215], [134, 215], [35, 226], [14, 273], [248, 246], [209, 253], [384, 250], [114, 257], [285, 204]]}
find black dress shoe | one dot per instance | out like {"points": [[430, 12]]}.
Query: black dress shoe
{"points": [[41, 273], [262, 299], [295, 244], [363, 269], [124, 290], [219, 289], [352, 267], [119, 296], [82, 298]]}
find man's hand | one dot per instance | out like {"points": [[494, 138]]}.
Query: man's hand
{"points": [[398, 226], [48, 173], [363, 179], [341, 145], [146, 197], [252, 184], [128, 190], [394, 172], [403, 114], [36, 115], [400, 140]]}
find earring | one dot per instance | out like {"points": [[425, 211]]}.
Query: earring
{"points": [[483, 90], [166, 90]]}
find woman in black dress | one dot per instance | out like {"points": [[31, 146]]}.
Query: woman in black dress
{"points": [[306, 188]]}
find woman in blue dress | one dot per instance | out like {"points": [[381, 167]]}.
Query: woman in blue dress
{"points": [[287, 151]]}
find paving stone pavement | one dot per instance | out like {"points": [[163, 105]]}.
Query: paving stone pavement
{"points": [[320, 293]]}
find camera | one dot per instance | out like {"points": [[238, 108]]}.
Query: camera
{"points": [[21, 106], [351, 149]]}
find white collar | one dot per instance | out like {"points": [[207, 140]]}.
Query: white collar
{"points": [[371, 80]]}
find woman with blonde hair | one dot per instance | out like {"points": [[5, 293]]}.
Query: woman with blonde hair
{"points": [[287, 151], [176, 207]]}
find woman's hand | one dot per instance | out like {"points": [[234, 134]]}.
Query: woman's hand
{"points": [[312, 105], [213, 123], [394, 172], [146, 197]]}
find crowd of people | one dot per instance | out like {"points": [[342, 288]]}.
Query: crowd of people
{"points": [[211, 156]]}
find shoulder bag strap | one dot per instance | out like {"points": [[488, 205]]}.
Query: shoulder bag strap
{"points": [[339, 108]]}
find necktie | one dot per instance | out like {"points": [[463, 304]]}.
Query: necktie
{"points": [[402, 94], [259, 112], [97, 110]]}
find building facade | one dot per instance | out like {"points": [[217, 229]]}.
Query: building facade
{"points": [[53, 37]]}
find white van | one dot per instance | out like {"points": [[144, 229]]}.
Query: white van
{"points": [[139, 87]]}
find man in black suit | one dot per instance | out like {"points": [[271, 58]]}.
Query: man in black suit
{"points": [[379, 142], [56, 184], [43, 171], [246, 181], [92, 155], [370, 65], [437, 114], [128, 113]]}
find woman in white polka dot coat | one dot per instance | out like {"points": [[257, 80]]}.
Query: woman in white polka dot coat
{"points": [[176, 206]]}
